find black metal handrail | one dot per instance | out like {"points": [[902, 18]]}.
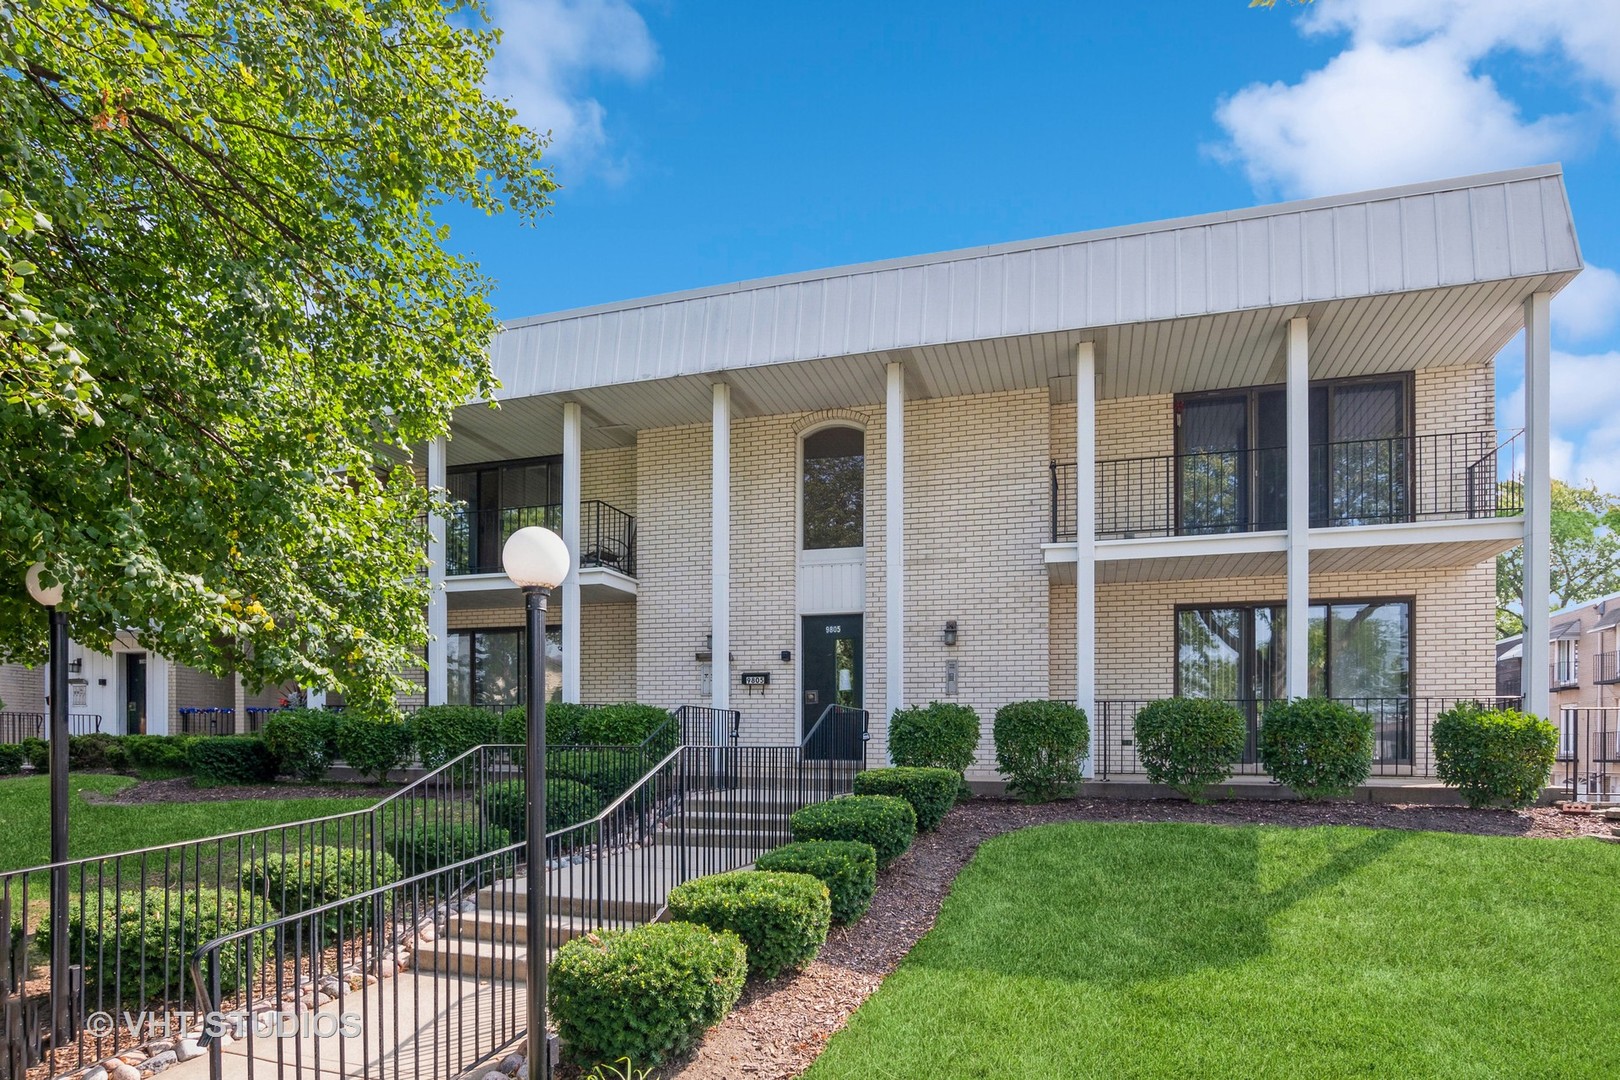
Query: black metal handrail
{"points": [[1449, 475], [704, 726], [474, 538], [207, 720], [1564, 674], [1401, 746]]}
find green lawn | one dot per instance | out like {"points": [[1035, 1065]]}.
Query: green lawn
{"points": [[1167, 950], [103, 830]]}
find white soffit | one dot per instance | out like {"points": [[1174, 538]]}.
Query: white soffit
{"points": [[1505, 227]]}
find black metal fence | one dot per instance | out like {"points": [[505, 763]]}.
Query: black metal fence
{"points": [[1467, 474], [206, 720], [1401, 725], [17, 726], [1606, 667], [474, 538], [1589, 753]]}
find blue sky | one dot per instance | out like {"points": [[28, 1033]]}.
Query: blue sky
{"points": [[701, 143]]}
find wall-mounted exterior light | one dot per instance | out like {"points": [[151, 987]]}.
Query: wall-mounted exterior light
{"points": [[948, 635]]}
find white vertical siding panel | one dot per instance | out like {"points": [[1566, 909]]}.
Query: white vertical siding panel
{"points": [[991, 295], [837, 332], [1384, 246], [681, 349], [1527, 248], [1016, 294], [740, 312], [1562, 253], [864, 331], [563, 371], [1319, 257], [1102, 282], [885, 289], [1161, 275], [911, 306], [936, 303], [1071, 287], [1287, 276], [963, 299], [1254, 262], [1454, 231], [717, 333], [1192, 263], [590, 344], [811, 299], [1350, 239], [1044, 301], [1419, 244], [1131, 278], [1491, 257], [1221, 272]]}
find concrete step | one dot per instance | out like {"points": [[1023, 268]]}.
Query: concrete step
{"points": [[510, 928], [478, 959], [512, 897]]}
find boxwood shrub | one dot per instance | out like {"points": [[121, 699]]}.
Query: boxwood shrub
{"points": [[372, 744], [624, 724], [1494, 755], [37, 752], [887, 823], [643, 994], [11, 759], [1189, 743], [300, 880], [304, 741], [939, 735], [231, 759], [930, 792], [98, 750], [781, 918], [607, 770], [1319, 748], [137, 944], [568, 802], [847, 867], [445, 732], [1039, 748], [427, 845], [159, 755]]}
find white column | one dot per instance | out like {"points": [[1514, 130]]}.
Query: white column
{"points": [[1298, 610], [157, 694], [720, 550], [570, 535], [438, 613], [894, 540], [1085, 540], [1537, 503]]}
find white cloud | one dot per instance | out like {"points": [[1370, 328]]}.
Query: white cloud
{"points": [[1589, 306], [1408, 99], [549, 52], [1584, 409]]}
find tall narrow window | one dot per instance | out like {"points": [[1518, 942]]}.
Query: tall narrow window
{"points": [[834, 488]]}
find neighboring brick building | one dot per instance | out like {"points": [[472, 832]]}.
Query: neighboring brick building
{"points": [[1248, 455]]}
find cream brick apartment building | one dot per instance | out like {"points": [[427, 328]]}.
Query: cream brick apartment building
{"points": [[1249, 455]]}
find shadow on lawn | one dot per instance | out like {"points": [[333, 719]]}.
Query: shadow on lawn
{"points": [[1120, 904]]}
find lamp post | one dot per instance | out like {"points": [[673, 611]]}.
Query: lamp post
{"points": [[51, 598], [536, 560]]}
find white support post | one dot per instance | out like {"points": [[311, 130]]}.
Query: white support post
{"points": [[437, 689], [570, 535], [157, 694], [1085, 541], [1298, 609], [720, 551], [1537, 503], [894, 541]]}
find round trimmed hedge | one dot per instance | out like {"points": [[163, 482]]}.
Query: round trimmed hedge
{"points": [[568, 802], [781, 918], [1189, 743], [847, 867], [888, 823], [1319, 748], [1494, 755], [1039, 748], [427, 845], [931, 792], [304, 741], [939, 735], [643, 994]]}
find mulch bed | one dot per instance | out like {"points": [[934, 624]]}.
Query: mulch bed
{"points": [[185, 789], [779, 1027]]}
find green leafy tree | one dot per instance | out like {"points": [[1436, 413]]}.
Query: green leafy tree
{"points": [[228, 314], [1585, 550]]}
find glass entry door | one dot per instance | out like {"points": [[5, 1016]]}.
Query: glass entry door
{"points": [[830, 675], [134, 693], [1232, 654]]}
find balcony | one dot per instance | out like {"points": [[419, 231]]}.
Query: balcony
{"points": [[1456, 475], [474, 538], [1606, 668], [1564, 674]]}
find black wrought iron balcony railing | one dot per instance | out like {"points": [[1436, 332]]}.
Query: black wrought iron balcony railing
{"points": [[1564, 674], [1606, 667], [1473, 474], [474, 538]]}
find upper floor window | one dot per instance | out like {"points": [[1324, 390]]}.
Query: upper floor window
{"points": [[834, 488]]}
